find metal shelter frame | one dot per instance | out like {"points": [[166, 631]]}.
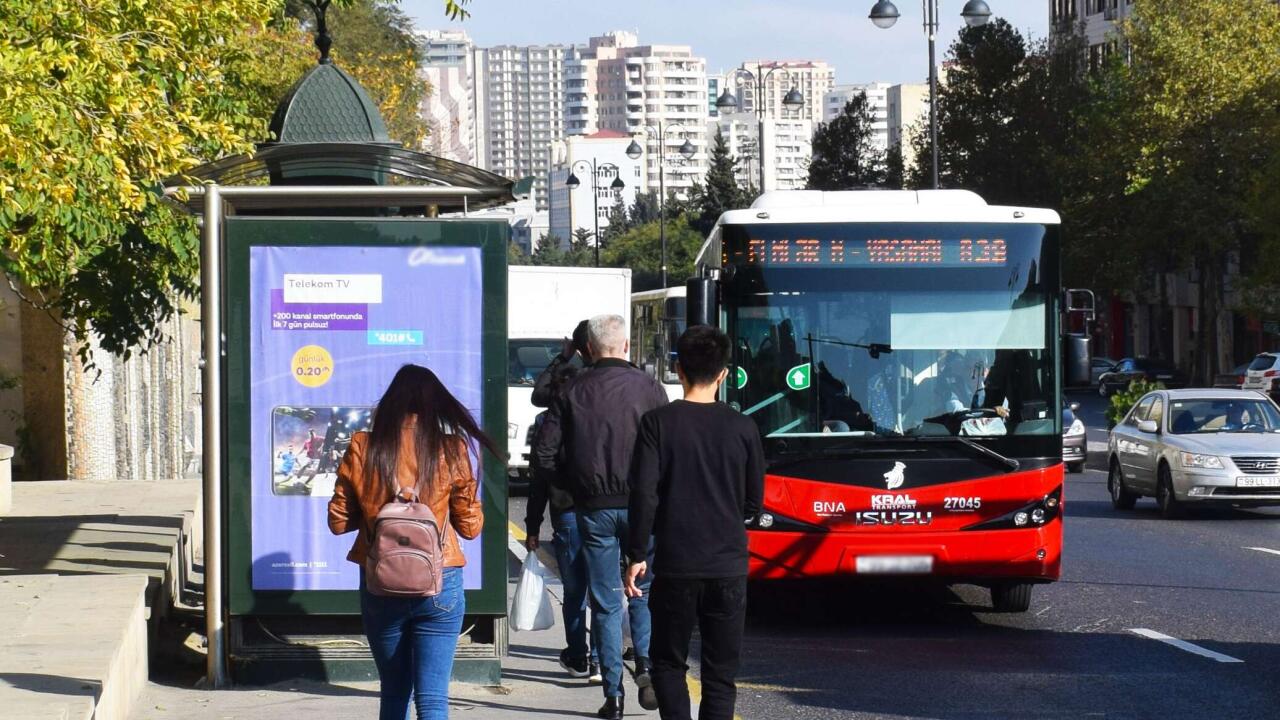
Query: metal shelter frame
{"points": [[214, 203]]}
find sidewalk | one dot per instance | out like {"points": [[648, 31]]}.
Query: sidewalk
{"points": [[533, 686]]}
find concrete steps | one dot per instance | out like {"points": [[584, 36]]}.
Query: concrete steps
{"points": [[72, 648], [87, 570]]}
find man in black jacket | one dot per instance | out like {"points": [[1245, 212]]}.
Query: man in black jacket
{"points": [[697, 474], [586, 444]]}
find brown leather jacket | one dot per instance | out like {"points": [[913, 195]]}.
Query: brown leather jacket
{"points": [[358, 497]]}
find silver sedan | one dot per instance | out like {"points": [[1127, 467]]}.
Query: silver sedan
{"points": [[1195, 448]]}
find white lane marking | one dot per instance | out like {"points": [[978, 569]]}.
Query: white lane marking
{"points": [[1184, 645], [1265, 550]]}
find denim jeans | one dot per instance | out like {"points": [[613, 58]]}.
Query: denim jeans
{"points": [[412, 641], [717, 609], [572, 563], [603, 533]]}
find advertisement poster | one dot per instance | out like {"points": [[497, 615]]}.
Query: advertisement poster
{"points": [[329, 327]]}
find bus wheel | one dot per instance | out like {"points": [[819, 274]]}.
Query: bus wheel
{"points": [[1011, 597]]}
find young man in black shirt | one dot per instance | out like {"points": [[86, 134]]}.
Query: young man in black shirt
{"points": [[697, 473]]}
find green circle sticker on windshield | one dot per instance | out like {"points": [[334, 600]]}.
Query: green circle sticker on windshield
{"points": [[799, 377], [740, 378]]}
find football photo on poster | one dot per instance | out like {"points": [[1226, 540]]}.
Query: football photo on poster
{"points": [[308, 444]]}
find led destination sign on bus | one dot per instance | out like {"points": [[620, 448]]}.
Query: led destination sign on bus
{"points": [[869, 252]]}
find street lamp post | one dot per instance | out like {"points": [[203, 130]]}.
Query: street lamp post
{"points": [[728, 101], [572, 182], [687, 150], [885, 14]]}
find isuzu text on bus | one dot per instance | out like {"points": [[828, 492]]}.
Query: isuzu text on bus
{"points": [[899, 353]]}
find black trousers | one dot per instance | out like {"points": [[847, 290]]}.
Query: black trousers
{"points": [[717, 607]]}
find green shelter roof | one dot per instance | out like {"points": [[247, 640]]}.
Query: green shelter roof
{"points": [[328, 106]]}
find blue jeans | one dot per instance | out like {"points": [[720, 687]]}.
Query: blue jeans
{"points": [[572, 563], [412, 641], [603, 532]]}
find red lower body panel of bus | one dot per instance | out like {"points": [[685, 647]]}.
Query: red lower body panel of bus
{"points": [[1001, 528]]}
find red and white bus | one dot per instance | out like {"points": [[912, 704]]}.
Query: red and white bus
{"points": [[899, 352]]}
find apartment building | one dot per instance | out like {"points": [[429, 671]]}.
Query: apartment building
{"points": [[908, 112], [448, 68], [615, 84], [577, 209], [787, 148], [520, 110], [834, 100], [1098, 18], [813, 78]]}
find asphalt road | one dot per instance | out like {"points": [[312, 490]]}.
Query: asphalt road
{"points": [[1084, 650]]}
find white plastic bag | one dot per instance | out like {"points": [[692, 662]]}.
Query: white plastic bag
{"points": [[531, 608]]}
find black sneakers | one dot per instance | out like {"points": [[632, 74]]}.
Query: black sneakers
{"points": [[578, 668], [594, 676], [644, 681]]}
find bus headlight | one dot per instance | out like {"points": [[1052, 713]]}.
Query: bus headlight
{"points": [[1031, 515]]}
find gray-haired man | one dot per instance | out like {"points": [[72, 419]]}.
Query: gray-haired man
{"points": [[587, 439]]}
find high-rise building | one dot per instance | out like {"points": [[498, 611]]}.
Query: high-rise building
{"points": [[606, 150], [520, 103], [1099, 18], [813, 78], [908, 111], [877, 104], [616, 84], [448, 68], [787, 149]]}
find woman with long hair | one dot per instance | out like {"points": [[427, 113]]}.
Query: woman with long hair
{"points": [[421, 439]]}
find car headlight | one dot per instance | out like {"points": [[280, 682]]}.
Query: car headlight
{"points": [[512, 431], [1195, 460], [1077, 428]]}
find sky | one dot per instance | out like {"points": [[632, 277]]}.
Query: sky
{"points": [[729, 32]]}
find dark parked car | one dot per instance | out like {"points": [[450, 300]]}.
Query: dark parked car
{"points": [[1075, 439], [1149, 369]]}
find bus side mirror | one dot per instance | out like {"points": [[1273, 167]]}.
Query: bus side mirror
{"points": [[701, 303]]}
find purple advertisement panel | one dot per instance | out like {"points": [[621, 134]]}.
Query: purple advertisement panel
{"points": [[330, 326]]}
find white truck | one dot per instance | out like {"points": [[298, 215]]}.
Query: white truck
{"points": [[544, 305]]}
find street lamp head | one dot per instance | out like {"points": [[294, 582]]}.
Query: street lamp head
{"points": [[976, 13], [634, 151], [727, 101], [687, 149], [617, 184], [793, 99], [884, 14], [572, 182]]}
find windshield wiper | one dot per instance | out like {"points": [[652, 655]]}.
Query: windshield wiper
{"points": [[875, 350], [977, 447]]}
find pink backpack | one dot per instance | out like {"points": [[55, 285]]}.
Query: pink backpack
{"points": [[406, 557]]}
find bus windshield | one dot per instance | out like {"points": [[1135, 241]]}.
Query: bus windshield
{"points": [[860, 330]]}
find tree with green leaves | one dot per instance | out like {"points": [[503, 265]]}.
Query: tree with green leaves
{"points": [[721, 192], [640, 250], [619, 220], [103, 101], [1198, 97], [845, 155]]}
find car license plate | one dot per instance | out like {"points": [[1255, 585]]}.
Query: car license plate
{"points": [[894, 564], [1258, 482]]}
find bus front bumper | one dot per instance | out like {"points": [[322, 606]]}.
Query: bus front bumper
{"points": [[1032, 554]]}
